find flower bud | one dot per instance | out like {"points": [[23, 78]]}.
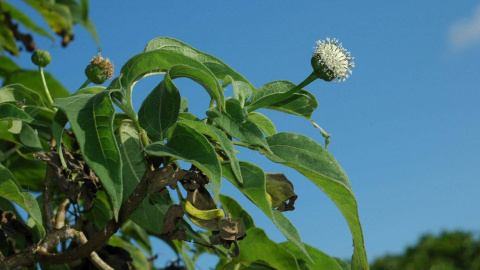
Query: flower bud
{"points": [[99, 70], [41, 58], [331, 61]]}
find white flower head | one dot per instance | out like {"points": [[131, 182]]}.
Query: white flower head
{"points": [[331, 61]]}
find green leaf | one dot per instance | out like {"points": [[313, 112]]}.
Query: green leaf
{"points": [[160, 61], [225, 144], [148, 215], [20, 93], [101, 212], [318, 165], [263, 122], [91, 118], [32, 80], [22, 18], [320, 259], [28, 137], [7, 66], [257, 248], [343, 265], [241, 90], [302, 103], [234, 120], [14, 126], [130, 230], [11, 190], [218, 67], [254, 188], [183, 105], [230, 205], [139, 259], [159, 111], [8, 111], [191, 146], [182, 247], [29, 173]]}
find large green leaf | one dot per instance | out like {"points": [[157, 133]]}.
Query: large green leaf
{"points": [[218, 67], [160, 61], [20, 93], [234, 120], [148, 215], [257, 248], [224, 142], [318, 165], [11, 190], [236, 210], [22, 18], [32, 80], [320, 259], [91, 118], [302, 103], [159, 111], [189, 145], [254, 188]]}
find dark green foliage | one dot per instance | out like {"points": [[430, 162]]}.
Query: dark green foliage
{"points": [[456, 250]]}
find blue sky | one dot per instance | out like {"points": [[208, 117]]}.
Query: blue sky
{"points": [[405, 126]]}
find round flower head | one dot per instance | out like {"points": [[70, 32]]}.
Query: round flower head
{"points": [[41, 58], [331, 61], [99, 69]]}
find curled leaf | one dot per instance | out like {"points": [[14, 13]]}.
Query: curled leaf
{"points": [[172, 218], [281, 191]]}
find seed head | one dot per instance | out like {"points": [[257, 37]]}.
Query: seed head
{"points": [[99, 70], [331, 61]]}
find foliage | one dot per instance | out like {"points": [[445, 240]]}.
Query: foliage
{"points": [[102, 170], [448, 251], [60, 15]]}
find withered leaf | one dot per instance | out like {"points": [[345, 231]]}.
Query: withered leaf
{"points": [[172, 218], [281, 191], [232, 229], [201, 199]]}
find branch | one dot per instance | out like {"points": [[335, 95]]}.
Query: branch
{"points": [[151, 180], [96, 260], [48, 199]]}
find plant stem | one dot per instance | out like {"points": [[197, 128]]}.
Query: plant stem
{"points": [[277, 98], [87, 82], [210, 121], [45, 88]]}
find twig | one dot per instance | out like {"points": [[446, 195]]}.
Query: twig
{"points": [[48, 199], [61, 214], [96, 260], [39, 253]]}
